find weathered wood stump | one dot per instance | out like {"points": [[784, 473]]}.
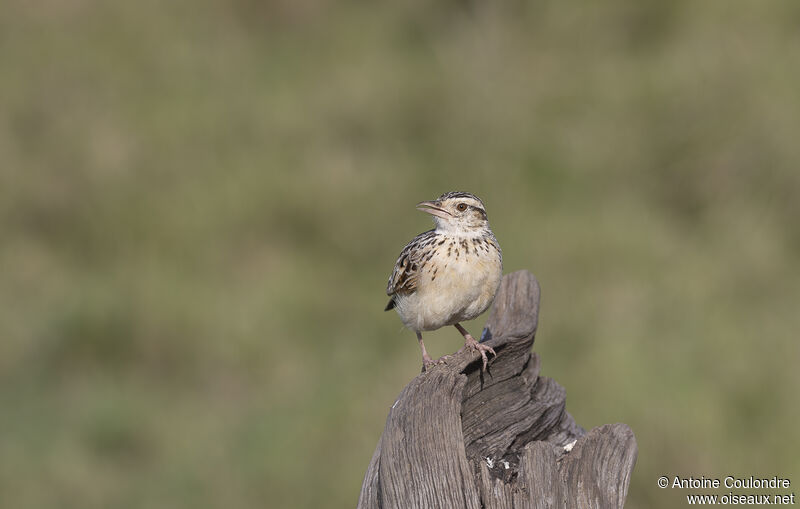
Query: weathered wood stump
{"points": [[459, 437]]}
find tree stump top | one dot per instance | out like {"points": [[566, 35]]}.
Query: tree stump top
{"points": [[460, 437]]}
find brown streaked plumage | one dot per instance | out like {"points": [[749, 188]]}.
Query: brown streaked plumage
{"points": [[449, 274]]}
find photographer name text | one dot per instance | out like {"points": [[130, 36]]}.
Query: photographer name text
{"points": [[730, 482]]}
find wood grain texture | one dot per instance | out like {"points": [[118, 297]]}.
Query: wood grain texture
{"points": [[460, 437]]}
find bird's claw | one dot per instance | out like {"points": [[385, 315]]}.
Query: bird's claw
{"points": [[482, 349], [429, 363], [473, 345]]}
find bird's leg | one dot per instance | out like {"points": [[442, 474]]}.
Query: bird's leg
{"points": [[469, 342], [426, 359]]}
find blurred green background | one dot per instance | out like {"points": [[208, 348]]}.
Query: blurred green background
{"points": [[201, 203]]}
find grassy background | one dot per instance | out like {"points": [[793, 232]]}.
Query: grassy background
{"points": [[201, 201]]}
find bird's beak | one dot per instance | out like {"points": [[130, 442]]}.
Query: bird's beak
{"points": [[433, 208]]}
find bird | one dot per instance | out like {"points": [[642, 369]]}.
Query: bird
{"points": [[449, 274]]}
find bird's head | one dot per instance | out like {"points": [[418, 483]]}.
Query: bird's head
{"points": [[457, 212]]}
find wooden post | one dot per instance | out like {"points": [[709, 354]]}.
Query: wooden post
{"points": [[458, 437]]}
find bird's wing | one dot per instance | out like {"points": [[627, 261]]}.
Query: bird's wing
{"points": [[410, 263]]}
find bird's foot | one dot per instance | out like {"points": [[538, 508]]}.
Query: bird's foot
{"points": [[428, 363], [469, 342]]}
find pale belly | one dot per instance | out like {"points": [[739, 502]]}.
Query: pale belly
{"points": [[459, 292]]}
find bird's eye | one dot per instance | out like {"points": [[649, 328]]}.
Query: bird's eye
{"points": [[461, 207]]}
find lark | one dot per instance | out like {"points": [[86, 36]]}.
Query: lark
{"points": [[449, 274]]}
